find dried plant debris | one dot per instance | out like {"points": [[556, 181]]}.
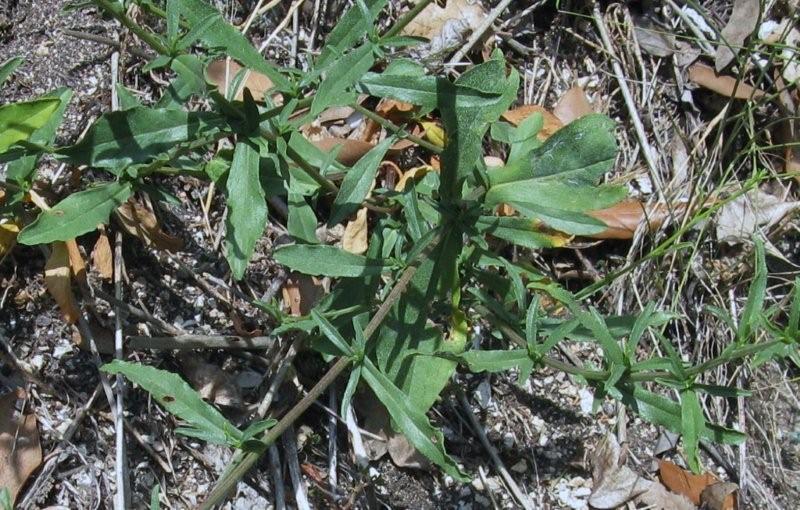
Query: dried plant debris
{"points": [[740, 26], [20, 451]]}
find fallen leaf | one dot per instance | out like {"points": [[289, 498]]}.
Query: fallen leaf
{"points": [[616, 484], [741, 24], [222, 73], [573, 105], [210, 381], [349, 153], [382, 438], [551, 122], [57, 279], [415, 173], [102, 258], [8, 236], [720, 496], [727, 86], [740, 218], [103, 338], [446, 27], [625, 217], [76, 262], [354, 239], [301, 293], [141, 222], [681, 481], [20, 450], [654, 41]]}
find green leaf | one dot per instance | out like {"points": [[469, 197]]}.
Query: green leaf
{"points": [[154, 497], [495, 361], [302, 222], [692, 422], [755, 296], [22, 170], [426, 91], [180, 399], [411, 422], [18, 121], [322, 260], [190, 80], [119, 139], [77, 214], [344, 73], [328, 329], [8, 67], [520, 231], [247, 207], [357, 182], [218, 33], [349, 29], [127, 100]]}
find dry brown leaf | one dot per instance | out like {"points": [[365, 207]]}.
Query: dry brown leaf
{"points": [[551, 122], [720, 496], [256, 82], [102, 257], [76, 262], [8, 236], [20, 450], [573, 105], [446, 27], [654, 41], [349, 153], [616, 484], [102, 336], [625, 217], [681, 481], [354, 239], [383, 438], [213, 383], [301, 293], [141, 222], [741, 24], [739, 218], [57, 279], [727, 86]]}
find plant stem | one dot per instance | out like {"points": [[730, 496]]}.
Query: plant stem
{"points": [[406, 19], [242, 462], [394, 128], [119, 14]]}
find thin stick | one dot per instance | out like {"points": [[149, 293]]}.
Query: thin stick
{"points": [[478, 33], [359, 452], [188, 342], [647, 150], [498, 463], [277, 477], [333, 478], [290, 450]]}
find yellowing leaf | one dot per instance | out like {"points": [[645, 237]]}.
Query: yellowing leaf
{"points": [[416, 173], [8, 236], [354, 239], [58, 281], [434, 133]]}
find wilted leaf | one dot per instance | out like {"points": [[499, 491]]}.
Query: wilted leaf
{"points": [[727, 86], [681, 481], [212, 383], [615, 484], [57, 278], [573, 105], [551, 122], [223, 72], [354, 239], [741, 217], [20, 451], [301, 293], [741, 24], [141, 222], [624, 218], [446, 27], [102, 257]]}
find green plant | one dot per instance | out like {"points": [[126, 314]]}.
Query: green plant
{"points": [[437, 262]]}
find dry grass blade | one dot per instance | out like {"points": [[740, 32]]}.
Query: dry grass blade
{"points": [[727, 86], [58, 279], [20, 451]]}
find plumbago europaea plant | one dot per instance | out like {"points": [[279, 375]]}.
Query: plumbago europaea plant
{"points": [[399, 317]]}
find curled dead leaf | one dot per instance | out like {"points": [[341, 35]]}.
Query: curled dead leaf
{"points": [[140, 221], [551, 122], [572, 105], [446, 27], [102, 258], [213, 383], [20, 449], [354, 239], [222, 73], [58, 280], [727, 86]]}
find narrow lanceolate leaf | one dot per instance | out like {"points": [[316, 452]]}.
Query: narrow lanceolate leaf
{"points": [[18, 121], [520, 231], [357, 182], [77, 214], [343, 74], [23, 168], [496, 361], [122, 138], [411, 421], [177, 397], [220, 34], [247, 207], [348, 31], [8, 67], [321, 260]]}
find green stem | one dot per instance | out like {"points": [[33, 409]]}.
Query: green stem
{"points": [[394, 128], [738, 354], [118, 13], [242, 462], [406, 19]]}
